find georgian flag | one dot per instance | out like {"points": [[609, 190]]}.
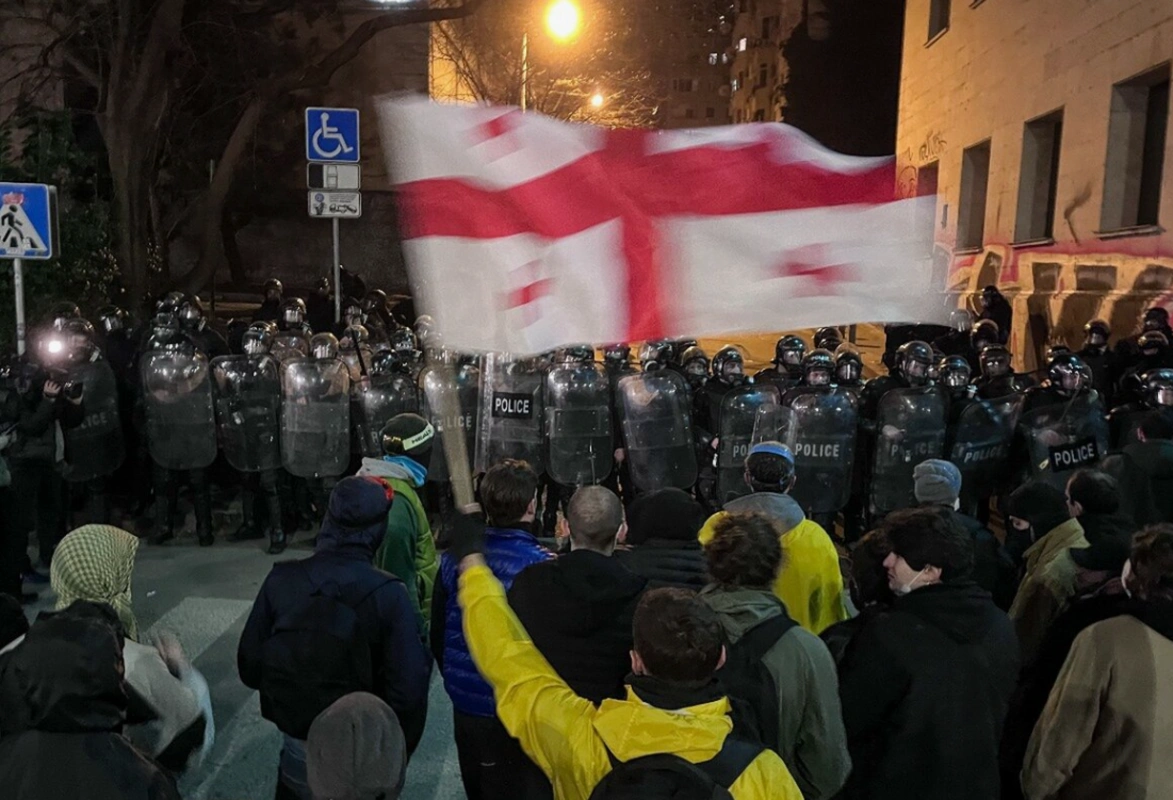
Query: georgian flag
{"points": [[524, 233]]}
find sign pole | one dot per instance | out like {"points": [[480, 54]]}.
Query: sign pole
{"points": [[337, 274], [18, 290]]}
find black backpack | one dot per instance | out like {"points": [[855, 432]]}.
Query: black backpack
{"points": [[669, 777], [748, 682], [316, 653]]}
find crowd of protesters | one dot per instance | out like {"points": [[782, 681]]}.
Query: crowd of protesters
{"points": [[647, 652]]}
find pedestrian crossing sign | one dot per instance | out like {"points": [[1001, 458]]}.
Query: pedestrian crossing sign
{"points": [[28, 214]]}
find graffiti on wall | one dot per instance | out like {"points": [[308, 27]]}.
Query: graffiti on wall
{"points": [[910, 161]]}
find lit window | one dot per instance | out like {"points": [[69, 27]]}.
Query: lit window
{"points": [[736, 84], [713, 58], [744, 43]]}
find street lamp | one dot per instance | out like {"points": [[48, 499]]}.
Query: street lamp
{"points": [[597, 100], [563, 22]]}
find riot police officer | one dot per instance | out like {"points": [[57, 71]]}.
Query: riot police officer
{"points": [[983, 334], [912, 363], [728, 373], [818, 368], [270, 308], [292, 319], [1099, 358], [195, 325], [694, 365], [1154, 353], [181, 429], [617, 360], [998, 378], [957, 341], [828, 338], [320, 306], [996, 308], [1155, 395], [787, 369], [248, 399], [379, 319], [655, 355], [953, 376], [1067, 377], [848, 367]]}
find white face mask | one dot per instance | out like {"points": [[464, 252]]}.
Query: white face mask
{"points": [[908, 587]]}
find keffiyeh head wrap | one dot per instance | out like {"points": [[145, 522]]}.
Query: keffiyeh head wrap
{"points": [[95, 563]]}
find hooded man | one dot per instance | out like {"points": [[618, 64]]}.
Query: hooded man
{"points": [[333, 624], [356, 751], [409, 551], [810, 582]]}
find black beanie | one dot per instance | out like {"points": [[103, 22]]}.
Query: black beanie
{"points": [[1040, 504], [408, 435]]}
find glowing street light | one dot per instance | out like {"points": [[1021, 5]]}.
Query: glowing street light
{"points": [[597, 100], [563, 20]]}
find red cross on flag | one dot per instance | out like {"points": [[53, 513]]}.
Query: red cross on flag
{"points": [[524, 233]]}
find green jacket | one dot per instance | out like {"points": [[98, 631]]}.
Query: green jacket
{"points": [[408, 551], [1047, 586], [811, 738]]}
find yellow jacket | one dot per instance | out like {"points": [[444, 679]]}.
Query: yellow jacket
{"points": [[566, 735], [810, 583]]}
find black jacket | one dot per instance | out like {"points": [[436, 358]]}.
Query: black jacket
{"points": [[578, 610], [1116, 525], [993, 570], [402, 666], [667, 562], [925, 688], [1155, 460], [36, 431], [63, 702]]}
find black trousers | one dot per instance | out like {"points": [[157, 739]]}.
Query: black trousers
{"points": [[41, 492], [492, 763], [167, 482], [14, 542], [260, 501]]}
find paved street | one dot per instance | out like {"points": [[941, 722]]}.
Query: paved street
{"points": [[203, 595]]}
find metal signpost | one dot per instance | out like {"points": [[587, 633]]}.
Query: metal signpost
{"points": [[333, 148], [28, 227]]}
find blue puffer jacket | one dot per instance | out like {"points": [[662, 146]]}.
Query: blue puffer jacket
{"points": [[508, 552]]}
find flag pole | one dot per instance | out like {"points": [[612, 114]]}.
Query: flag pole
{"points": [[455, 447]]}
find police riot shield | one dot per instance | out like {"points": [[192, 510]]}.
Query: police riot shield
{"points": [[465, 383], [95, 448], [739, 413], [910, 428], [824, 450], [656, 418], [511, 412], [181, 418], [1064, 437], [315, 417], [288, 345], [358, 363], [248, 410], [580, 445], [375, 403], [980, 443]]}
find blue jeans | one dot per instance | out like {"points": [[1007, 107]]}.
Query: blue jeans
{"points": [[292, 780]]}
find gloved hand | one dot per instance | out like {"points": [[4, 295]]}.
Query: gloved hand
{"points": [[468, 536]]}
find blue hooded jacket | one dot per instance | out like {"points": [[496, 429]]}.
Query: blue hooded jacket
{"points": [[508, 551]]}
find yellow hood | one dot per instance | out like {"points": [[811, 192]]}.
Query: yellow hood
{"points": [[631, 728]]}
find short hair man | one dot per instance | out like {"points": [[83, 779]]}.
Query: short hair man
{"points": [[938, 668], [811, 584], [578, 608], [798, 712], [489, 757], [672, 705]]}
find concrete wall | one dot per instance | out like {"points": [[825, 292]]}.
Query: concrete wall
{"points": [[999, 65]]}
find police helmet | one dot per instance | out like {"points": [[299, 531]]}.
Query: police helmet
{"points": [[1158, 385], [728, 364], [694, 362], [961, 320], [954, 372], [914, 360], [1152, 343], [578, 354], [1067, 373], [818, 367], [994, 361], [257, 340], [617, 355], [789, 351], [655, 355], [274, 289], [355, 334], [848, 364], [403, 340], [324, 345], [293, 311], [112, 318], [984, 332], [170, 303], [828, 338], [375, 301], [1096, 332]]}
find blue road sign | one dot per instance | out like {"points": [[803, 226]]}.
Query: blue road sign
{"points": [[332, 134], [26, 220]]}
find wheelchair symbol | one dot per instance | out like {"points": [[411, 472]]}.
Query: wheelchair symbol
{"points": [[328, 133]]}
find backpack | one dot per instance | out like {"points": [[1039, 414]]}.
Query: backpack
{"points": [[748, 682], [665, 776], [316, 653]]}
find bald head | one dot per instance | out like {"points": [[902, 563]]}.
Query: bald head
{"points": [[594, 516]]}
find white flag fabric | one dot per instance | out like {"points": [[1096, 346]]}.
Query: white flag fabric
{"points": [[524, 233]]}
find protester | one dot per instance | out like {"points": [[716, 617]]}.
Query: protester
{"points": [[811, 582], [673, 704], [937, 483], [1100, 596], [785, 674], [489, 758], [332, 624], [95, 563], [1107, 729], [408, 551], [662, 544], [578, 607], [869, 591], [925, 685], [1093, 497], [1153, 455], [356, 751], [1041, 511], [63, 701], [13, 623]]}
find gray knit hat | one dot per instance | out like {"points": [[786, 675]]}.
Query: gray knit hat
{"points": [[937, 482], [356, 751]]}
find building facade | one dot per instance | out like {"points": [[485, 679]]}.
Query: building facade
{"points": [[1043, 130]]}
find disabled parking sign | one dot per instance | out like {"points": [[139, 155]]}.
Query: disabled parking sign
{"points": [[332, 135]]}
